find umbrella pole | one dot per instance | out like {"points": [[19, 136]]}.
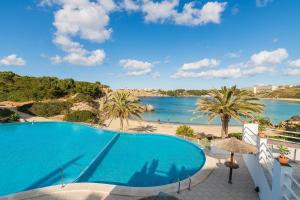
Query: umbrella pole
{"points": [[230, 172]]}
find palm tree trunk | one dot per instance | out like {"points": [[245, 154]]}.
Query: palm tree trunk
{"points": [[224, 131], [121, 124]]}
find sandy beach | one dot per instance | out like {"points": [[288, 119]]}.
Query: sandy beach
{"points": [[169, 128], [140, 126]]}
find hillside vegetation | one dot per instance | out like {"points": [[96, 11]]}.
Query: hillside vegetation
{"points": [[7, 115], [183, 92], [26, 88], [293, 92]]}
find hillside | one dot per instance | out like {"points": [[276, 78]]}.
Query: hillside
{"points": [[27, 88], [292, 92]]}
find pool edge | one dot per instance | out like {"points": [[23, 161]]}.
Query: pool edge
{"points": [[196, 179]]}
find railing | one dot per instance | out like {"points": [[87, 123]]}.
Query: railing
{"points": [[291, 139], [190, 181], [283, 184], [266, 160], [249, 136], [178, 190], [285, 136], [290, 191]]}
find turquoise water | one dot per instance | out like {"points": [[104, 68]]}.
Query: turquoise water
{"points": [[32, 156], [180, 110], [157, 159]]}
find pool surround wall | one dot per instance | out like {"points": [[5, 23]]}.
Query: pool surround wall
{"points": [[200, 176]]}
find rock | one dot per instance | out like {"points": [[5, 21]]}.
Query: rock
{"points": [[292, 124], [81, 106], [149, 108]]}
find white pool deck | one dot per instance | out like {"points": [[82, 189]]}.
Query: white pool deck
{"points": [[210, 183]]}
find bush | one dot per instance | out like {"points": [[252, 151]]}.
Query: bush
{"points": [[81, 116], [236, 135], [25, 88], [7, 115], [45, 109], [185, 130]]}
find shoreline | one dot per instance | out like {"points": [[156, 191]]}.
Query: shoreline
{"points": [[192, 96], [282, 99], [168, 128], [140, 126]]}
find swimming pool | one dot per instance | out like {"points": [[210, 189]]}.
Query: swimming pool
{"points": [[36, 155]]}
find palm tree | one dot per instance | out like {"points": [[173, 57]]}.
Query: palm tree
{"points": [[229, 103], [121, 104]]}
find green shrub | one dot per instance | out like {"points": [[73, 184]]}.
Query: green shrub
{"points": [[45, 109], [204, 142], [81, 116], [263, 121], [7, 115], [185, 130], [236, 135]]}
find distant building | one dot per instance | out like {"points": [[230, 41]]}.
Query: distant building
{"points": [[261, 88]]}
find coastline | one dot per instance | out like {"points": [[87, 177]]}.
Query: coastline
{"points": [[282, 99], [140, 126], [169, 128], [192, 96]]}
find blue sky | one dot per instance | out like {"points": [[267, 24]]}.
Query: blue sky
{"points": [[153, 44]]}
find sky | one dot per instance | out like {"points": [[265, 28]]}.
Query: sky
{"points": [[160, 44]]}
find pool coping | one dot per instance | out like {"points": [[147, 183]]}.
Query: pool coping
{"points": [[197, 178]]}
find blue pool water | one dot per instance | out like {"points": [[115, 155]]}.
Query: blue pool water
{"points": [[32, 156], [181, 110]]}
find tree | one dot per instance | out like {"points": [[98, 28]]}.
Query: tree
{"points": [[229, 103], [121, 105]]}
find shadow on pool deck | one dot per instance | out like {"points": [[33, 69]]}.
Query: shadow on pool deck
{"points": [[54, 176]]}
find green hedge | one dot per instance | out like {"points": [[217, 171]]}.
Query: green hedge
{"points": [[7, 115], [185, 130], [236, 135], [46, 109], [81, 116]]}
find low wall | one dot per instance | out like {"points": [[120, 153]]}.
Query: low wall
{"points": [[91, 188]]}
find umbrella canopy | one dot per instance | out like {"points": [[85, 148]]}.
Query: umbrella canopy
{"points": [[168, 197], [235, 146]]}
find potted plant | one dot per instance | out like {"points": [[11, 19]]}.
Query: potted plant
{"points": [[284, 151], [261, 130]]}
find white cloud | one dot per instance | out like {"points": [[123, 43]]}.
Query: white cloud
{"points": [[294, 63], [200, 64], [12, 60], [293, 72], [136, 67], [84, 19], [130, 5], [159, 11], [269, 57], [219, 73], [262, 3], [261, 62], [81, 58], [167, 10]]}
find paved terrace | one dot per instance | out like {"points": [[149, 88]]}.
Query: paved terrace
{"points": [[214, 187]]}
